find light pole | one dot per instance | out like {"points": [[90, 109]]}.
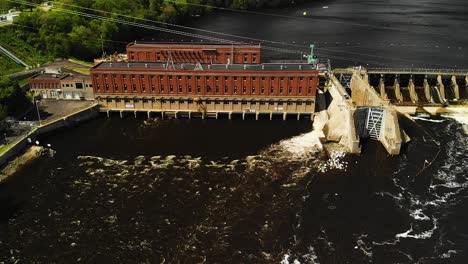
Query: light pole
{"points": [[38, 115]]}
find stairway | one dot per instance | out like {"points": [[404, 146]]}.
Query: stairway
{"points": [[374, 122]]}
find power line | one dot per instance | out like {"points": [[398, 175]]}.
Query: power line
{"points": [[190, 28], [193, 35], [254, 39], [300, 18], [108, 40], [120, 21]]}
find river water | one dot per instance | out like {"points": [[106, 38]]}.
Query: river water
{"points": [[217, 191]]}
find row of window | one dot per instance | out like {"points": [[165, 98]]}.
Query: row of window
{"points": [[253, 90], [188, 56], [57, 85], [77, 85], [206, 101], [206, 78], [45, 85]]}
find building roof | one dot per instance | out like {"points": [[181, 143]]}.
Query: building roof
{"points": [[195, 44], [206, 66], [57, 76], [79, 77]]}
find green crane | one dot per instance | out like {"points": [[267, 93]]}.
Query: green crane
{"points": [[312, 59]]}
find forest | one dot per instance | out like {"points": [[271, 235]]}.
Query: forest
{"points": [[62, 32], [13, 100]]}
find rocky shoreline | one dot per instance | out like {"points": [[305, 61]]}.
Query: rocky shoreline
{"points": [[29, 155]]}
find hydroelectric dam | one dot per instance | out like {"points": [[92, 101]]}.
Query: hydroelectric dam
{"points": [[357, 103]]}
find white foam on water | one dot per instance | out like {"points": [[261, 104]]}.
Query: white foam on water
{"points": [[303, 144], [285, 259], [361, 245], [449, 254], [423, 235], [428, 120], [311, 257], [419, 215], [334, 162], [462, 119]]}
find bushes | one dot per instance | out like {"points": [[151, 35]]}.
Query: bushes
{"points": [[13, 100]]}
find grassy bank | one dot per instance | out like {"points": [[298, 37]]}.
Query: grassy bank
{"points": [[4, 148], [22, 49], [8, 66]]}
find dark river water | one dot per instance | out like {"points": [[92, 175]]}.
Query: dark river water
{"points": [[217, 191], [378, 33]]}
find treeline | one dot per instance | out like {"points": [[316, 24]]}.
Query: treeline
{"points": [[13, 100], [62, 34]]}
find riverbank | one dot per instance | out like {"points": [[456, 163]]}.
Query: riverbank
{"points": [[29, 155], [68, 120]]}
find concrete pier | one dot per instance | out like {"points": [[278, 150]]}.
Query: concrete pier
{"points": [[432, 91], [427, 89], [363, 95], [383, 93], [396, 87], [412, 90], [456, 89], [337, 120], [441, 86]]}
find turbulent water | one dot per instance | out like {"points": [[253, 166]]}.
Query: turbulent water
{"points": [[280, 203], [216, 191]]}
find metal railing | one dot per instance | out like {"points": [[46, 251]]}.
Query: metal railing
{"points": [[418, 70]]}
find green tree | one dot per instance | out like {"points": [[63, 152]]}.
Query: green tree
{"points": [[13, 100], [244, 4]]}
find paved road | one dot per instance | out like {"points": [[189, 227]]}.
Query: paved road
{"points": [[60, 64], [49, 110]]}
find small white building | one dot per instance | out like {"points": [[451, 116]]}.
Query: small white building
{"points": [[11, 16]]}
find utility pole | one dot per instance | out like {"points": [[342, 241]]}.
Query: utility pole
{"points": [[102, 46], [38, 115]]}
